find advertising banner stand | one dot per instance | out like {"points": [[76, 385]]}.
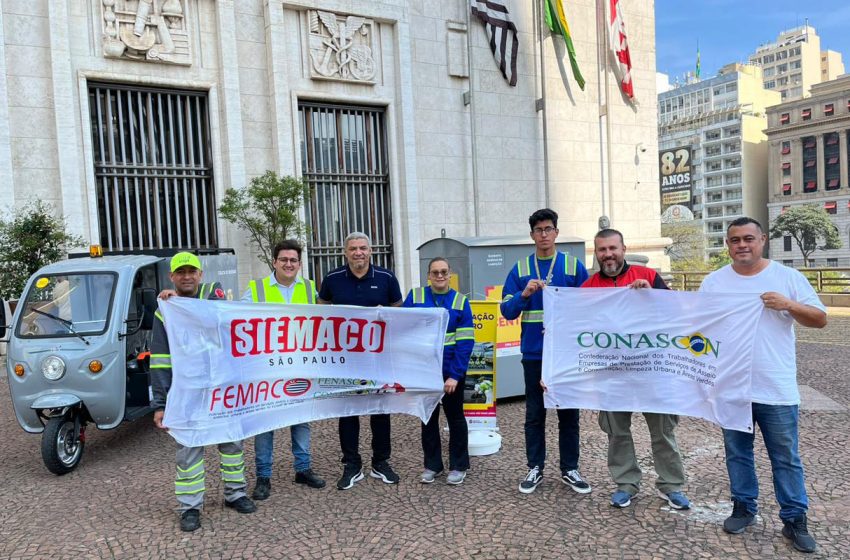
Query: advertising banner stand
{"points": [[479, 389]]}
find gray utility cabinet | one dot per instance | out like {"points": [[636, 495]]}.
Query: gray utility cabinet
{"points": [[479, 262]]}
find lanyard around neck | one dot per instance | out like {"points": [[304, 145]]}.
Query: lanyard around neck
{"points": [[548, 279]]}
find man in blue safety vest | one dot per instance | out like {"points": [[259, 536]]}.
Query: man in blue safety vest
{"points": [[523, 294]]}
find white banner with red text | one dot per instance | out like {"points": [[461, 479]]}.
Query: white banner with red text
{"points": [[647, 350], [241, 369]]}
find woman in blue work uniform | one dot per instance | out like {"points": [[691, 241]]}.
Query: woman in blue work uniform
{"points": [[460, 338]]}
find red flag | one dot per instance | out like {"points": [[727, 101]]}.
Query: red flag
{"points": [[620, 46]]}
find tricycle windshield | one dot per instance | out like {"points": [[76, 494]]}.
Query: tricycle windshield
{"points": [[60, 305]]}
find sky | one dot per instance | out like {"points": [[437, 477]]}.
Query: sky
{"points": [[730, 30]]}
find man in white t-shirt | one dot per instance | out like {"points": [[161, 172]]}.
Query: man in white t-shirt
{"points": [[787, 297]]}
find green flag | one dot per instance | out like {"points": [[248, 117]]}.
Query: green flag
{"points": [[557, 22], [698, 65]]}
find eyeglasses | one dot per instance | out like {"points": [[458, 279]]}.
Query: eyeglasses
{"points": [[284, 260], [440, 273], [543, 231]]}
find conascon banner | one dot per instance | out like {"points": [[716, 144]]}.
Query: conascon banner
{"points": [[241, 369], [650, 350]]}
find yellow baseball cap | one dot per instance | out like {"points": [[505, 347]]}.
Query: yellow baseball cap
{"points": [[185, 259]]}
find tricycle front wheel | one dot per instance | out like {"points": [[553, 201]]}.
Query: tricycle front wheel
{"points": [[61, 447]]}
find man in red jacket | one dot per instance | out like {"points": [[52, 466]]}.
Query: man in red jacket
{"points": [[622, 463]]}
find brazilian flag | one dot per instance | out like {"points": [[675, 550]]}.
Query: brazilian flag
{"points": [[557, 22]]}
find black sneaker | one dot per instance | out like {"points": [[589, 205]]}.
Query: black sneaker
{"points": [[797, 530], [242, 505], [309, 478], [351, 475], [190, 520], [739, 520], [574, 480], [384, 471], [531, 480], [263, 488]]}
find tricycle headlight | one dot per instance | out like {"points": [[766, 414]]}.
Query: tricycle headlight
{"points": [[53, 367]]}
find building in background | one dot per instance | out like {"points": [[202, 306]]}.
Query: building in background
{"points": [[795, 62], [132, 118], [831, 65], [808, 146], [720, 122]]}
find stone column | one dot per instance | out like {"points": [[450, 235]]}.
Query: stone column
{"points": [[7, 183], [229, 109], [279, 45], [844, 180], [74, 194], [796, 166], [821, 163], [774, 171]]}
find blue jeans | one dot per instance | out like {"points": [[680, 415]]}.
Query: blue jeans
{"points": [[778, 426], [535, 424], [264, 445]]}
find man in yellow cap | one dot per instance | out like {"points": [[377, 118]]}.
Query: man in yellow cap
{"points": [[186, 274]]}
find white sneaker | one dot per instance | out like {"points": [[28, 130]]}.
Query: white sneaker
{"points": [[428, 476], [574, 480], [531, 480], [456, 477]]}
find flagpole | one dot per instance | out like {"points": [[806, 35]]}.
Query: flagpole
{"points": [[538, 29], [472, 127], [606, 20], [602, 60]]}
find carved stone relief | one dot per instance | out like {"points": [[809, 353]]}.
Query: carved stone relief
{"points": [[341, 47], [146, 30]]}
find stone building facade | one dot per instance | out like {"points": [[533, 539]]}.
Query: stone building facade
{"points": [[808, 147], [133, 116]]}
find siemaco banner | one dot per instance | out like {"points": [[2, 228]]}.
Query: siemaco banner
{"points": [[650, 350], [241, 369]]}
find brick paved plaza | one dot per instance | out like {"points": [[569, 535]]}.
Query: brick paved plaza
{"points": [[118, 503]]}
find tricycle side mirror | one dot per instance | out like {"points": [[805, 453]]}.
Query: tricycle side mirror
{"points": [[146, 304]]}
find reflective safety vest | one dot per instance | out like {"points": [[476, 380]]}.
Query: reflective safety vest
{"points": [[264, 291], [452, 336], [160, 358], [205, 291], [525, 268]]}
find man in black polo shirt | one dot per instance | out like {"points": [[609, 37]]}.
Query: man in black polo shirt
{"points": [[364, 284]]}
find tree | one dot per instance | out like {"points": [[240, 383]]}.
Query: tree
{"points": [[688, 240], [806, 225], [267, 209], [30, 238], [719, 260]]}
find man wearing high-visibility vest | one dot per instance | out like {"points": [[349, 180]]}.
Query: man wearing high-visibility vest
{"points": [[190, 483], [522, 294], [284, 285]]}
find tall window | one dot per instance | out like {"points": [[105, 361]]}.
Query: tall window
{"points": [[831, 157], [152, 167], [810, 163], [344, 161]]}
